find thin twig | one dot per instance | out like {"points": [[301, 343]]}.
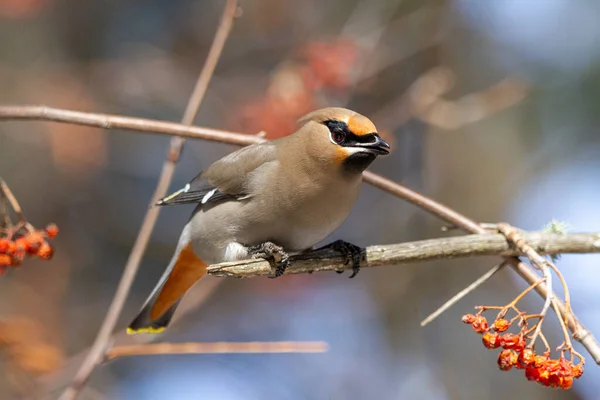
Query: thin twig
{"points": [[457, 297], [410, 252], [215, 348], [100, 344]]}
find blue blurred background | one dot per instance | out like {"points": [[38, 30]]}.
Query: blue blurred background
{"points": [[489, 107]]}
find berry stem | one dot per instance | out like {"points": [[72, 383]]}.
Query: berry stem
{"points": [[565, 290], [524, 292], [12, 200]]}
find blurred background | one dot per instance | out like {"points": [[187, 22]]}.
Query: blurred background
{"points": [[489, 107]]}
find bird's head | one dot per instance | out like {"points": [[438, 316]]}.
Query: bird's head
{"points": [[343, 137]]}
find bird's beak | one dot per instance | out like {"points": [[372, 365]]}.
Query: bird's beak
{"points": [[379, 146]]}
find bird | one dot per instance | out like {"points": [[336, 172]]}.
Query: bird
{"points": [[268, 200]]}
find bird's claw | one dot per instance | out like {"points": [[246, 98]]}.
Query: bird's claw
{"points": [[271, 251], [351, 252]]}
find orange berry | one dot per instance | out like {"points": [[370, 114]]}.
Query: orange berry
{"points": [[507, 359], [578, 370], [544, 378], [566, 382], [480, 324], [4, 245], [525, 358], [22, 244], [45, 251], [51, 230], [501, 325], [490, 340], [539, 361], [34, 241], [468, 318], [5, 260]]}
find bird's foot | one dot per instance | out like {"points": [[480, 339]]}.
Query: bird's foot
{"points": [[352, 252], [270, 251]]}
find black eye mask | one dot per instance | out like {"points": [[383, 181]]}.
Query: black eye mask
{"points": [[341, 134]]}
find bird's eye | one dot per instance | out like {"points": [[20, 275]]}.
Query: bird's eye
{"points": [[338, 136]]}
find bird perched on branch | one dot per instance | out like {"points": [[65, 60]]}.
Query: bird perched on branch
{"points": [[266, 200]]}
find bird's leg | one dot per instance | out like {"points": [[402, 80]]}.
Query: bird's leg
{"points": [[352, 252], [270, 250]]}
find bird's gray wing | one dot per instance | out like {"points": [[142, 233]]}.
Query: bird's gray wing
{"points": [[225, 179]]}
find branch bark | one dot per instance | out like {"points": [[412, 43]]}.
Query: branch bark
{"points": [[411, 252], [101, 342]]}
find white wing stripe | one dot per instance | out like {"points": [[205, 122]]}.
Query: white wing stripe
{"points": [[207, 196]]}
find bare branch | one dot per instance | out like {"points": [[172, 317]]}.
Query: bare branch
{"points": [[410, 252], [101, 343], [109, 121], [215, 348]]}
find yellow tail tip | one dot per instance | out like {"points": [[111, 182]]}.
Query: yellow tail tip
{"points": [[131, 331]]}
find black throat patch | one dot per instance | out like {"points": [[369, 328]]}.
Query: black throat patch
{"points": [[358, 162]]}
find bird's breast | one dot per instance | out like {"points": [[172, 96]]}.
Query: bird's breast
{"points": [[305, 216]]}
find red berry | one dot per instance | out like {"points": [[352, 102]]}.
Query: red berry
{"points": [[525, 358], [554, 380], [507, 359], [532, 373], [45, 251], [4, 245], [480, 324], [544, 378], [51, 230], [512, 341], [490, 340], [468, 318]]}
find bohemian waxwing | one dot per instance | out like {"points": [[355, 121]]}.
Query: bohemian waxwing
{"points": [[265, 200]]}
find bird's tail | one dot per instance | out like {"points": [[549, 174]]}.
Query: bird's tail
{"points": [[182, 273]]}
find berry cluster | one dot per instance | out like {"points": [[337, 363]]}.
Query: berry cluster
{"points": [[16, 244], [556, 373]]}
